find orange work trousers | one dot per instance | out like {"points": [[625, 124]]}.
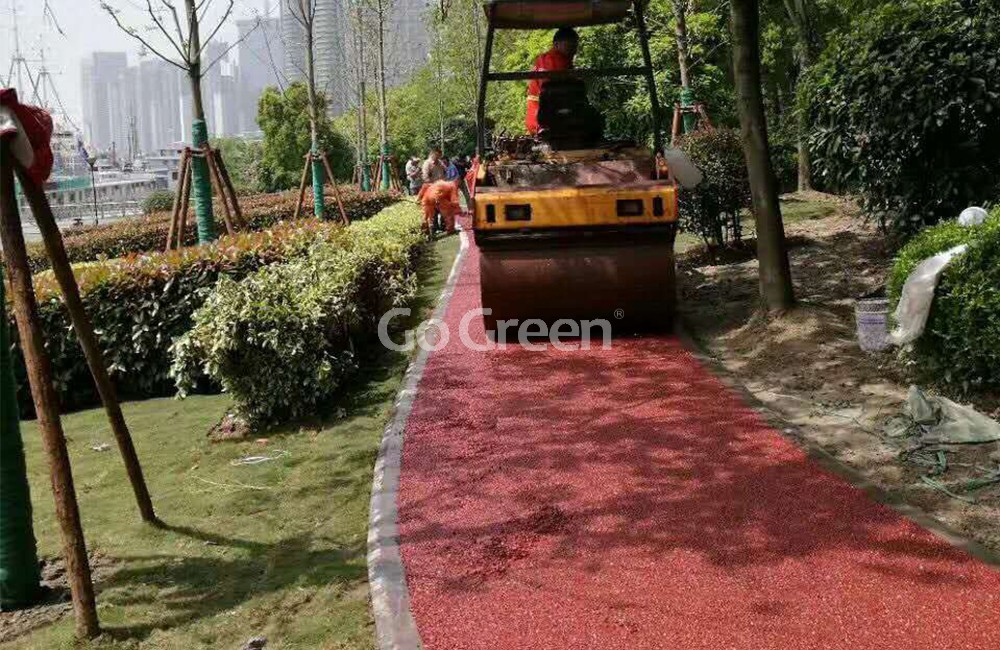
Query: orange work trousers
{"points": [[439, 196]]}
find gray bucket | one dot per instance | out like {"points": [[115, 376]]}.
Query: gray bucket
{"points": [[872, 317]]}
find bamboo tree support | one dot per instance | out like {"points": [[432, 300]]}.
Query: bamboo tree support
{"points": [[213, 174], [302, 188], [61, 268], [220, 163], [43, 395], [185, 200], [682, 113], [336, 188], [182, 179], [219, 179]]}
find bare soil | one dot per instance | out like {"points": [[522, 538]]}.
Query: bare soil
{"points": [[807, 367], [55, 599]]}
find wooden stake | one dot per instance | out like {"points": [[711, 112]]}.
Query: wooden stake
{"points": [[185, 199], [46, 222], [302, 186], [175, 214], [336, 190], [213, 174], [43, 394], [237, 211]]}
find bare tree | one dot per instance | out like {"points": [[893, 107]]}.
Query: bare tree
{"points": [[183, 49], [382, 10], [775, 276], [304, 13], [360, 78]]}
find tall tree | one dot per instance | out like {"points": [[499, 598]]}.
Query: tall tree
{"points": [[189, 48], [360, 64], [775, 276], [800, 13], [382, 10], [304, 13]]}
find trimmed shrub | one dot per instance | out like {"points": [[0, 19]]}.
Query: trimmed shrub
{"points": [[960, 347], [147, 234], [713, 209], [905, 108], [139, 304], [158, 201], [282, 340]]}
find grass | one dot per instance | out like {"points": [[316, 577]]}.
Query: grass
{"points": [[274, 549], [793, 209]]}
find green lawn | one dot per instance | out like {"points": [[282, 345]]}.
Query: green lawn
{"points": [[274, 549]]}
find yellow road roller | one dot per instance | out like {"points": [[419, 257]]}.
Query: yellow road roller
{"points": [[570, 225]]}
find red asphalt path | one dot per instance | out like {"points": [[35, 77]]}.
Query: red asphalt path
{"points": [[625, 498]]}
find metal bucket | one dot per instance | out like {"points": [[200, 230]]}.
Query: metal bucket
{"points": [[872, 318]]}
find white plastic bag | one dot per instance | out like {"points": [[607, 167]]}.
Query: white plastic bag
{"points": [[918, 294], [685, 171]]}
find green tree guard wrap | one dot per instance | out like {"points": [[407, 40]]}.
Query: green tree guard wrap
{"points": [[19, 572], [366, 181], [317, 174], [690, 119], [386, 181], [202, 185]]}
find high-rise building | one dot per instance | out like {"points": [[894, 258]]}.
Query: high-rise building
{"points": [[108, 97], [261, 57], [406, 47]]}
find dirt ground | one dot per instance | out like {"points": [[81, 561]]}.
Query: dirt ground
{"points": [[55, 602], [807, 366]]}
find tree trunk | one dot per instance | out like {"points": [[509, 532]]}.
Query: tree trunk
{"points": [[88, 340], [20, 579], [680, 30], [383, 107], [46, 402], [201, 182], [314, 149], [775, 277]]}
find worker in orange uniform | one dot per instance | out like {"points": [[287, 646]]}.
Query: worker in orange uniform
{"points": [[439, 196], [560, 57]]}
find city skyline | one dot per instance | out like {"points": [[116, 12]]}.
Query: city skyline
{"points": [[80, 28], [129, 100]]}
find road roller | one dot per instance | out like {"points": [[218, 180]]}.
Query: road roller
{"points": [[570, 225]]}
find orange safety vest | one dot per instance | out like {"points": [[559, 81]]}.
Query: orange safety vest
{"points": [[551, 60]]}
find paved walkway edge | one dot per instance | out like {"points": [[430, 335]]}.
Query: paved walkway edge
{"points": [[395, 628]]}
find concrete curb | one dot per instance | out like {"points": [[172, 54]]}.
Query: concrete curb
{"points": [[395, 628]]}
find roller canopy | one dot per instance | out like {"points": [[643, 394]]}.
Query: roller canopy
{"points": [[550, 14]]}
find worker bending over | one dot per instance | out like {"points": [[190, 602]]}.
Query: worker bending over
{"points": [[560, 57], [439, 196]]}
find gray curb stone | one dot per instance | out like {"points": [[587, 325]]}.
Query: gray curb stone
{"points": [[395, 628]]}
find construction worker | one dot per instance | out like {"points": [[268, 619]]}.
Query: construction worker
{"points": [[560, 57], [433, 169], [439, 196]]}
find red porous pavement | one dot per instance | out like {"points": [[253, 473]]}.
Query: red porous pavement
{"points": [[625, 498]]}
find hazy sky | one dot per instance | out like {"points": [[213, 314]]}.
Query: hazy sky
{"points": [[87, 29]]}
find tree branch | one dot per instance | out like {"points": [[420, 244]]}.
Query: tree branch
{"points": [[131, 31], [163, 29], [229, 49], [177, 23], [215, 31]]}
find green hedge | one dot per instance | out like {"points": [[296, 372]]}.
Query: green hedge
{"points": [[149, 233], [713, 209], [282, 340], [905, 110], [139, 304], [960, 348]]}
